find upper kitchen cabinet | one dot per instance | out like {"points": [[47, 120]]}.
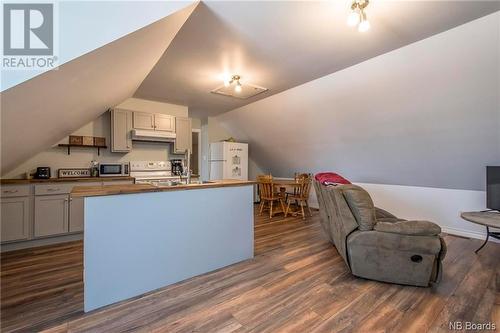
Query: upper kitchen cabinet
{"points": [[165, 122], [121, 125], [144, 120], [183, 134], [154, 121]]}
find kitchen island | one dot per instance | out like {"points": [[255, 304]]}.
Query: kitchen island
{"points": [[138, 238]]}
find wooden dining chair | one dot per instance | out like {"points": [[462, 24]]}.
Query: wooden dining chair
{"points": [[294, 190], [268, 195], [301, 196]]}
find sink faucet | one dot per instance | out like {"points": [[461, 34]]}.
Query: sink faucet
{"points": [[188, 165]]}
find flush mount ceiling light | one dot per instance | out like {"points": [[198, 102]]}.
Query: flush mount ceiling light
{"points": [[234, 79], [358, 15], [234, 88]]}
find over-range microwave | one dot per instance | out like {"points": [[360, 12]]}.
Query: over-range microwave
{"points": [[113, 169]]}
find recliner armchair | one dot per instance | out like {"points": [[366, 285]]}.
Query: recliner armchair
{"points": [[376, 244]]}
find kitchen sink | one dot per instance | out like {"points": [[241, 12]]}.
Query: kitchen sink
{"points": [[167, 183], [202, 182], [177, 183]]}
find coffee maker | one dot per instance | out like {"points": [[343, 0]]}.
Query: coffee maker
{"points": [[177, 167]]}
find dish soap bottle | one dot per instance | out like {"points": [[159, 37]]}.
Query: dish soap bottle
{"points": [[94, 169]]}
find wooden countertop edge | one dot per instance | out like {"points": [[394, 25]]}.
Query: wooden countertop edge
{"points": [[62, 180], [93, 191]]}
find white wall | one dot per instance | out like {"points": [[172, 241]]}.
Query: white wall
{"points": [[87, 25], [212, 131], [416, 126], [144, 105], [427, 114], [56, 157], [51, 106], [442, 206]]}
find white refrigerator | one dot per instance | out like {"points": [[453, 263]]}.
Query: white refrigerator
{"points": [[228, 160]]}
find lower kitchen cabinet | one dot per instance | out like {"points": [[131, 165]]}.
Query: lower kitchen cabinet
{"points": [[15, 219], [76, 206], [34, 211], [51, 215]]}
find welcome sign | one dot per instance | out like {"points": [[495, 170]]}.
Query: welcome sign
{"points": [[73, 173]]}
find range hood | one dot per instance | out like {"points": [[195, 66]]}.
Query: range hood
{"points": [[152, 136]]}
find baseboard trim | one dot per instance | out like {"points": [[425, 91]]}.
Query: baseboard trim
{"points": [[41, 242], [468, 234]]}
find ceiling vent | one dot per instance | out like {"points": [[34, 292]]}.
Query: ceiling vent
{"points": [[247, 91]]}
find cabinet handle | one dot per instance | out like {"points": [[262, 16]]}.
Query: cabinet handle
{"points": [[66, 199], [10, 191], [52, 189]]}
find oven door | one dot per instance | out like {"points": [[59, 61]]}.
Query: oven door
{"points": [[111, 169]]}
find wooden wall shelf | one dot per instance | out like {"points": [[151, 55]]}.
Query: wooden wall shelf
{"points": [[82, 146]]}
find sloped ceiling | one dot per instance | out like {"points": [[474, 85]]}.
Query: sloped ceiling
{"points": [[427, 114], [281, 44], [41, 111], [80, 28]]}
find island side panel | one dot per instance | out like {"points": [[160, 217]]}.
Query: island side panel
{"points": [[136, 243]]}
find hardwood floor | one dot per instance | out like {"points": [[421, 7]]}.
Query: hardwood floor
{"points": [[296, 283]]}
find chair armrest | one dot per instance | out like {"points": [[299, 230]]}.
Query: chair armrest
{"points": [[413, 228], [396, 242], [381, 214]]}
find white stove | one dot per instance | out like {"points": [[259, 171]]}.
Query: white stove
{"points": [[153, 172]]}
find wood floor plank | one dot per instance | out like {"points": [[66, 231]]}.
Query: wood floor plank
{"points": [[297, 282]]}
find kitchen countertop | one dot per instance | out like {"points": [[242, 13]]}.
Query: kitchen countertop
{"points": [[64, 180], [91, 191]]}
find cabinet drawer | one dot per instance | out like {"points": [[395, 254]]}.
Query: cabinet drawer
{"points": [[15, 191], [55, 188]]}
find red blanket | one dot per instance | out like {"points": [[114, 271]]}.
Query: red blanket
{"points": [[330, 178]]}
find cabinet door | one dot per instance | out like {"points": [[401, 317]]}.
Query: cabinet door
{"points": [[164, 122], [183, 135], [76, 214], [121, 125], [51, 215], [15, 218], [144, 120]]}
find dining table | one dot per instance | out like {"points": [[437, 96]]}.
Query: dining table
{"points": [[283, 184]]}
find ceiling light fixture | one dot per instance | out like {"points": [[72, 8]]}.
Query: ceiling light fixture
{"points": [[234, 79], [238, 87], [358, 15]]}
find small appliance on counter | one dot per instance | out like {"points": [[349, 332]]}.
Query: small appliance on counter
{"points": [[42, 173], [177, 167], [114, 169]]}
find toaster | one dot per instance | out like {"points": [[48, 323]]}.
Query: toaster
{"points": [[42, 173]]}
